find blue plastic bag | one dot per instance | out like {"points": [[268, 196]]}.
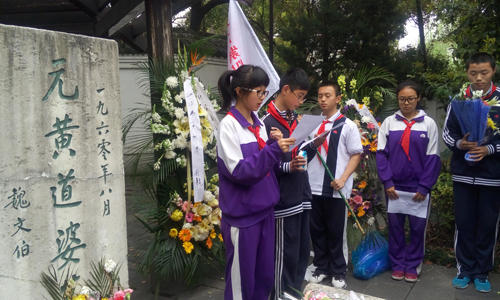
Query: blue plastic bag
{"points": [[371, 257]]}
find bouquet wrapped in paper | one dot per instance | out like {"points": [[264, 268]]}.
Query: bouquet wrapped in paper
{"points": [[473, 116]]}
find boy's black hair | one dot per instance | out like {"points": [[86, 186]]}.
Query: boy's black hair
{"points": [[246, 76], [296, 79], [409, 84], [335, 86], [480, 58]]}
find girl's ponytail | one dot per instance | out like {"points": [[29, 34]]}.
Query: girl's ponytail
{"points": [[225, 90], [246, 76]]}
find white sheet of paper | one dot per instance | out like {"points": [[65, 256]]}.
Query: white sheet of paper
{"points": [[306, 126], [405, 205]]}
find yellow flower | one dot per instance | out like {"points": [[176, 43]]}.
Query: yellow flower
{"points": [[209, 243], [366, 101], [173, 233], [362, 184], [361, 211], [360, 106], [374, 136], [491, 124], [213, 234], [177, 215], [185, 235], [373, 146], [79, 297], [220, 237], [182, 126], [365, 142], [188, 247]]}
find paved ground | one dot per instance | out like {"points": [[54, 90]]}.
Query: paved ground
{"points": [[434, 283]]}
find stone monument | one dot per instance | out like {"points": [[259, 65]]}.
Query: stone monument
{"points": [[62, 199]]}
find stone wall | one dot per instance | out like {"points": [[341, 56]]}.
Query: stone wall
{"points": [[61, 168]]}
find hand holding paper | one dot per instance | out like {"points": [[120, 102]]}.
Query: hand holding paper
{"points": [[306, 126]]}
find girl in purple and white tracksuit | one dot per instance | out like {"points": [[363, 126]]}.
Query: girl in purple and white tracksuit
{"points": [[246, 162], [408, 161]]}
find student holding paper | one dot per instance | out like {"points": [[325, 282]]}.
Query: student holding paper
{"points": [[292, 249], [408, 164], [247, 161]]}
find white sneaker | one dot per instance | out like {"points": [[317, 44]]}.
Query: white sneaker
{"points": [[339, 283], [317, 278]]}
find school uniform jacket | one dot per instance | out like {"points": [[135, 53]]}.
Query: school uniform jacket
{"points": [[486, 171], [295, 192], [343, 142], [395, 168], [248, 186]]}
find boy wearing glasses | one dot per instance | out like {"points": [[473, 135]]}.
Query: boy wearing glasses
{"points": [[291, 213], [476, 185]]}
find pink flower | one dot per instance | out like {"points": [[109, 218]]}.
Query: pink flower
{"points": [[370, 126], [184, 206], [120, 295], [189, 217], [367, 205], [128, 291], [357, 199]]}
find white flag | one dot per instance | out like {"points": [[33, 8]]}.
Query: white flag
{"points": [[243, 47]]}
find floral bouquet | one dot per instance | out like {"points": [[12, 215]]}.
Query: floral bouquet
{"points": [[473, 116], [103, 285], [365, 197], [187, 235]]}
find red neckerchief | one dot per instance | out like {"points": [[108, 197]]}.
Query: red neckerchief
{"points": [[321, 130], [255, 131], [468, 92], [405, 138], [271, 109]]}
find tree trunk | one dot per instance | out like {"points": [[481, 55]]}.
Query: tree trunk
{"points": [[159, 23], [420, 20], [196, 16]]}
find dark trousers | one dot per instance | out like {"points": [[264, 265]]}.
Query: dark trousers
{"points": [[477, 210], [291, 254], [328, 222]]}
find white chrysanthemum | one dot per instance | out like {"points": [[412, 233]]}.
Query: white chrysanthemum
{"points": [[187, 226], [216, 191], [172, 82], [370, 221], [156, 117], [109, 266], [178, 98], [179, 113], [183, 96], [180, 142], [170, 155], [354, 175], [365, 120]]}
